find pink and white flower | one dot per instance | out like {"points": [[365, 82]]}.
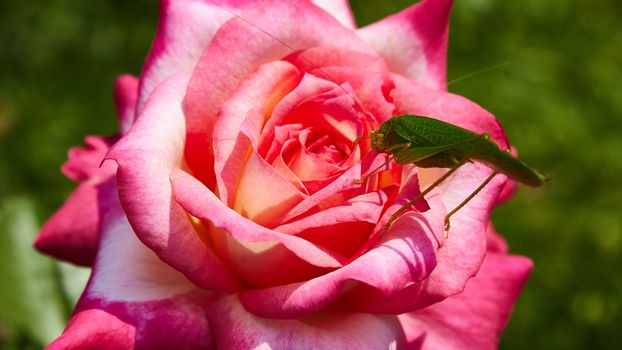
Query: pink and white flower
{"points": [[225, 214]]}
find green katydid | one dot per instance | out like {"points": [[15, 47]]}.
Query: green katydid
{"points": [[431, 143]]}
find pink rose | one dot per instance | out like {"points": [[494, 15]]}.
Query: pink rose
{"points": [[226, 214]]}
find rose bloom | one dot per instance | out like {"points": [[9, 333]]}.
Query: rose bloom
{"points": [[225, 213]]}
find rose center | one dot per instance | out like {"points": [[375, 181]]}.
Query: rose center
{"points": [[326, 150]]}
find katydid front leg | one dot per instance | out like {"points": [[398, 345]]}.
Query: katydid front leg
{"points": [[390, 150], [464, 202]]}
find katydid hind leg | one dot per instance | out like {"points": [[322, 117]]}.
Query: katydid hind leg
{"points": [[465, 201], [411, 202], [480, 141]]}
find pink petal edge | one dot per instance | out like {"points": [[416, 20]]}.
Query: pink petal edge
{"points": [[185, 29], [72, 233], [146, 156], [133, 299], [414, 41], [340, 9], [126, 96], [475, 318], [235, 328]]}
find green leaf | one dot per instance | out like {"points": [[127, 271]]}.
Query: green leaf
{"points": [[31, 305]]}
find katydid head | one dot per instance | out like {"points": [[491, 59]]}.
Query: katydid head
{"points": [[377, 141]]}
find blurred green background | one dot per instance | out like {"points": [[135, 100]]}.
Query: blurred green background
{"points": [[559, 97]]}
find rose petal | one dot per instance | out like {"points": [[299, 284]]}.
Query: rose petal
{"points": [[281, 143], [340, 9], [309, 166], [410, 97], [460, 256], [464, 251], [315, 102], [133, 299], [250, 104], [71, 234], [203, 204], [370, 88], [342, 228], [235, 328], [185, 29], [316, 58], [365, 73], [409, 189], [475, 318], [263, 195], [146, 156], [344, 183], [414, 41], [126, 95], [405, 254], [95, 329], [330, 114], [300, 25], [509, 189], [84, 164]]}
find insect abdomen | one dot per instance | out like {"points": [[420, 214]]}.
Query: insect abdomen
{"points": [[505, 163]]}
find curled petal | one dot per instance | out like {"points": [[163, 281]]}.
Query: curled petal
{"points": [[146, 156], [249, 107], [256, 247], [95, 329], [475, 318], [84, 164], [299, 24], [405, 254], [72, 233], [322, 57], [460, 256], [414, 41], [344, 227], [342, 184], [370, 87], [185, 29], [313, 97], [367, 74], [263, 195]]}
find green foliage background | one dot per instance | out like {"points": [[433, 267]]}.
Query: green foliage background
{"points": [[559, 97]]}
